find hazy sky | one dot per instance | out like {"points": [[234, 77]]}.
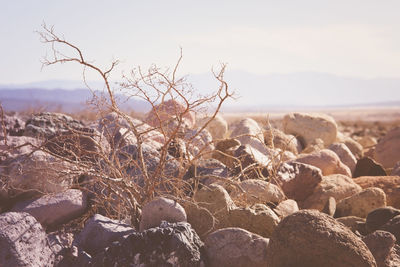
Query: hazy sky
{"points": [[358, 38]]}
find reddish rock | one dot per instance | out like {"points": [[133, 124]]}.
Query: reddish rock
{"points": [[387, 151], [368, 167]]}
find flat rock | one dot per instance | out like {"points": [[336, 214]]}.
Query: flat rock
{"points": [[311, 238], [327, 161], [389, 184], [236, 247], [337, 186], [298, 180], [310, 127], [362, 203], [379, 217], [51, 210], [99, 232], [23, 241], [368, 167], [387, 151], [161, 209], [345, 155]]}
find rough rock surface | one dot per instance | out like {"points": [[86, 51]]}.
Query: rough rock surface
{"points": [[14, 125], [199, 142], [298, 180], [247, 155], [309, 127], [345, 155], [50, 210], [311, 238], [218, 127], [48, 124], [330, 206], [389, 184], [161, 209], [380, 243], [337, 186], [368, 167], [327, 161], [259, 191], [199, 218], [396, 169], [286, 208], [207, 169], [248, 132], [355, 148], [387, 151], [277, 139], [354, 223], [393, 226], [379, 217], [236, 247], [16, 146], [361, 203], [99, 232], [171, 244], [224, 151], [23, 241]]}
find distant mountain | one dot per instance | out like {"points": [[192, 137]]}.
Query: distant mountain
{"points": [[19, 99]]}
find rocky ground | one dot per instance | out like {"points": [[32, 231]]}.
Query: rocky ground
{"points": [[302, 189]]}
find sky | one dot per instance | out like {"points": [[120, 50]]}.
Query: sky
{"points": [[344, 37]]}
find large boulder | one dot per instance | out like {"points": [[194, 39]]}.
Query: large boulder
{"points": [[99, 232], [297, 180], [389, 184], [309, 127], [327, 161], [217, 126], [170, 110], [311, 238], [170, 244], [345, 155], [248, 132], [23, 241], [51, 210], [387, 151], [236, 247], [361, 203], [337, 186], [161, 209]]}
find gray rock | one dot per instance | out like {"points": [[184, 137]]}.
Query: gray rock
{"points": [[23, 241], [51, 210], [161, 209], [171, 244], [236, 247], [99, 232], [14, 125], [311, 238]]}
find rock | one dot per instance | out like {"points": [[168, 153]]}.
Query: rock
{"points": [[199, 143], [393, 226], [14, 125], [216, 200], [99, 232], [218, 127], [171, 244], [16, 146], [367, 141], [236, 247], [311, 238], [380, 243], [327, 161], [330, 207], [309, 127], [246, 155], [23, 241], [209, 169], [389, 184], [314, 146], [224, 151], [297, 180], [275, 138], [48, 124], [170, 110], [345, 155], [355, 148], [248, 132], [368, 167], [259, 191], [258, 219], [51, 210], [354, 223], [387, 151], [337, 186], [60, 243], [379, 217], [40, 172], [394, 257], [396, 169], [361, 203], [286, 207], [199, 218], [161, 209]]}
